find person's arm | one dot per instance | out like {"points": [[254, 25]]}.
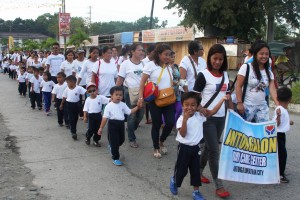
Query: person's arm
{"points": [[135, 109], [216, 108], [47, 68], [239, 92], [32, 87], [182, 72], [103, 123], [85, 116], [273, 92], [183, 129], [120, 81], [144, 78], [93, 77], [53, 97], [278, 116], [61, 107]]}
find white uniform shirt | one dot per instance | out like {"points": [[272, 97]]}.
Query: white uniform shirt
{"points": [[194, 130], [47, 86], [36, 83], [131, 73], [68, 67], [255, 92], [190, 73], [22, 78], [284, 119], [107, 74], [154, 71], [95, 105], [29, 76], [77, 68], [87, 69], [116, 111], [73, 95], [58, 90], [54, 61]]}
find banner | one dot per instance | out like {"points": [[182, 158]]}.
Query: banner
{"points": [[64, 24], [10, 42], [249, 151]]}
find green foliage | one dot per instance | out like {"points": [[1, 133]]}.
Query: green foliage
{"points": [[78, 38], [30, 44], [296, 93], [47, 44]]}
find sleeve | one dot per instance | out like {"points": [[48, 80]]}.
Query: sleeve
{"points": [[82, 90], [47, 61], [62, 66], [42, 84], [271, 75], [65, 93], [82, 71], [183, 64], [243, 70], [86, 105], [104, 99], [120, 60], [122, 70], [126, 109], [95, 69], [106, 113], [179, 122], [148, 68], [200, 83], [74, 66], [54, 90], [31, 80]]}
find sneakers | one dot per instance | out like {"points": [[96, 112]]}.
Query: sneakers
{"points": [[67, 126], [133, 144], [283, 179], [173, 187], [74, 136], [117, 162], [60, 125], [204, 180], [96, 144], [87, 141], [197, 195]]}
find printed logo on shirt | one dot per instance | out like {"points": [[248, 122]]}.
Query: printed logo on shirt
{"points": [[76, 94], [224, 87], [138, 72], [99, 102]]}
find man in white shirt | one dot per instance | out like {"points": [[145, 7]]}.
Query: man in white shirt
{"points": [[54, 61]]}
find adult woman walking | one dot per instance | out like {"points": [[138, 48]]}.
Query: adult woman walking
{"points": [[68, 66], [106, 71], [159, 72], [213, 80], [130, 74], [253, 106]]}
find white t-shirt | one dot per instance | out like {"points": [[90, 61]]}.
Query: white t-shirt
{"points": [[36, 65], [43, 61], [29, 76], [86, 70], [154, 71], [284, 119], [115, 61], [121, 60], [67, 67], [47, 86], [73, 95], [36, 84], [255, 93], [54, 61], [95, 105], [190, 73], [146, 60], [116, 111], [131, 73], [78, 66], [194, 129], [22, 78], [211, 86], [58, 90], [107, 74], [29, 61]]}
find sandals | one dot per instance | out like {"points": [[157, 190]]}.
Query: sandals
{"points": [[163, 148], [204, 180], [156, 154], [223, 194]]}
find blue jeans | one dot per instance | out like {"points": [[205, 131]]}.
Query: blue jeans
{"points": [[133, 119], [47, 100]]}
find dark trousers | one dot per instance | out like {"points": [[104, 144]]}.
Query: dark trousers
{"points": [[61, 114], [47, 101], [116, 136], [282, 153], [188, 158], [94, 124], [73, 111], [156, 112], [36, 98], [29, 87], [22, 88]]}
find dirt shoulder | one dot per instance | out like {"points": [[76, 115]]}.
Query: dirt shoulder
{"points": [[15, 178]]}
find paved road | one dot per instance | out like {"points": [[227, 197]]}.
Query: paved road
{"points": [[67, 169]]}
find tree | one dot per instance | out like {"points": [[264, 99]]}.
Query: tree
{"points": [[235, 17], [30, 44], [47, 44], [78, 38]]}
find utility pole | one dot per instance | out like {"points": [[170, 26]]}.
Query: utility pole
{"points": [[64, 11], [151, 15]]}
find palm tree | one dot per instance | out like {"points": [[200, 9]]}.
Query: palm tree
{"points": [[78, 39]]}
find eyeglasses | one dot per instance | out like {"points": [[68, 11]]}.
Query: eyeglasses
{"points": [[54, 47], [93, 90]]}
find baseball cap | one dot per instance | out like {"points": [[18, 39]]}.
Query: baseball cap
{"points": [[90, 84]]}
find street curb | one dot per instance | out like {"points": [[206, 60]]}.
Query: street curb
{"points": [[294, 108]]}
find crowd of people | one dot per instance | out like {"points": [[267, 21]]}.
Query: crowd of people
{"points": [[107, 88]]}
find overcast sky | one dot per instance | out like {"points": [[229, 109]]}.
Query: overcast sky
{"points": [[102, 10]]}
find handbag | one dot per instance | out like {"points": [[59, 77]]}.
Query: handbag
{"points": [[165, 96], [134, 95], [151, 89], [97, 75]]}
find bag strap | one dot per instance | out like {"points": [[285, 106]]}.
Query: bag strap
{"points": [[99, 67], [245, 83], [170, 76], [216, 93], [195, 72], [160, 75]]}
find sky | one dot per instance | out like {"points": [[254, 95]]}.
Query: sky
{"points": [[101, 10]]}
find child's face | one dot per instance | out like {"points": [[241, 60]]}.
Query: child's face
{"points": [[71, 84], [190, 105], [117, 96], [45, 77], [60, 79], [92, 91], [36, 73], [22, 72], [41, 73]]}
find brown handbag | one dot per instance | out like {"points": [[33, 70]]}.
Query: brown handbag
{"points": [[165, 96]]}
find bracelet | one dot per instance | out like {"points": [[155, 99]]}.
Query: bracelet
{"points": [[239, 102]]}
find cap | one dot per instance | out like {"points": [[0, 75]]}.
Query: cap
{"points": [[90, 84], [80, 51]]}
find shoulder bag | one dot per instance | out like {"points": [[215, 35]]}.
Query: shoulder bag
{"points": [[195, 72], [97, 75], [215, 94]]}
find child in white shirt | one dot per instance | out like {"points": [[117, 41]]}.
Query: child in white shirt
{"points": [[190, 132], [281, 115], [22, 82], [46, 87], [92, 111], [114, 113], [57, 96], [35, 95], [29, 75], [71, 96]]}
